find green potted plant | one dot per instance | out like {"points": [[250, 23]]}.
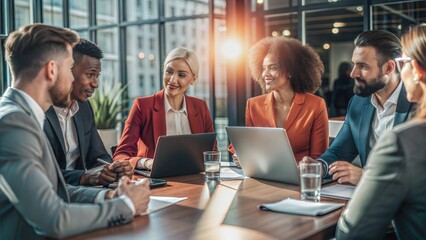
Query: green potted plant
{"points": [[108, 106]]}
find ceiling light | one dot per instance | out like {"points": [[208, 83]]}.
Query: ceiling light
{"points": [[399, 26], [259, 1], [286, 32], [141, 55], [326, 46], [339, 24], [231, 49], [151, 57], [359, 9], [221, 29], [335, 30], [274, 33]]}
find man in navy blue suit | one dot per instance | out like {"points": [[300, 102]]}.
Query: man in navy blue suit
{"points": [[379, 104]]}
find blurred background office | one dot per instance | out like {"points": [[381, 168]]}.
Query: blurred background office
{"points": [[135, 36]]}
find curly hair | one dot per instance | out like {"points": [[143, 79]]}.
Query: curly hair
{"points": [[300, 63], [86, 47]]}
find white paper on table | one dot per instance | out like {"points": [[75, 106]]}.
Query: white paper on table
{"points": [[300, 207], [338, 191], [231, 174], [228, 164], [157, 203]]}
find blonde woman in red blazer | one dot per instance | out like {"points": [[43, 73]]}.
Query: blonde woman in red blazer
{"points": [[148, 117], [289, 72]]}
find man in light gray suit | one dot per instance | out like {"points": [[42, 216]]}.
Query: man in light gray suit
{"points": [[35, 202]]}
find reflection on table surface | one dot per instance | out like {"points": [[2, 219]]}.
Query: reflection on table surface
{"points": [[225, 210]]}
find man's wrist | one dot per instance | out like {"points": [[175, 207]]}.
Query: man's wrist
{"points": [[142, 163], [84, 179], [324, 166]]}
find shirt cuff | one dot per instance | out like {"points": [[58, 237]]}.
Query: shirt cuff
{"points": [[100, 197], [324, 165], [128, 203], [141, 163]]}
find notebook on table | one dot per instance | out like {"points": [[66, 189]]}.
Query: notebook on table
{"points": [[265, 153], [180, 155]]}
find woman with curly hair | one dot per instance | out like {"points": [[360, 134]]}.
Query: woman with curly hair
{"points": [[289, 73]]}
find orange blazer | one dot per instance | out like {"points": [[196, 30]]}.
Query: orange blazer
{"points": [[147, 122], [306, 124]]}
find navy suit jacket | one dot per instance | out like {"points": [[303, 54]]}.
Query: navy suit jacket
{"points": [[89, 142], [354, 136]]}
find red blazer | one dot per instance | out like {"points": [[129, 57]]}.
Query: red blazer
{"points": [[306, 124], [147, 122]]}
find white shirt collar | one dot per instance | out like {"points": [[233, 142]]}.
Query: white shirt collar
{"points": [[168, 107], [37, 110], [392, 100], [69, 111]]}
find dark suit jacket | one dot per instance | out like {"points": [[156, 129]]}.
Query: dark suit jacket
{"points": [[353, 138], [89, 142], [392, 187], [147, 122]]}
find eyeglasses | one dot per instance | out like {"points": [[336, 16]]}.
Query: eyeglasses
{"points": [[401, 61]]}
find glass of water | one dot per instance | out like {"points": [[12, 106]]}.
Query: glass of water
{"points": [[310, 181], [212, 165]]}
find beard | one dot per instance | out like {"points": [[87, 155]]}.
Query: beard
{"points": [[369, 88], [59, 98]]}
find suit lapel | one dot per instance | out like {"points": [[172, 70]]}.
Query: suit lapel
{"points": [[403, 108], [158, 116], [269, 110], [364, 131], [52, 118], [81, 144], [61, 187], [296, 107], [193, 117]]}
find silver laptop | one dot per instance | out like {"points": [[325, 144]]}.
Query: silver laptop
{"points": [[180, 155], [265, 153]]}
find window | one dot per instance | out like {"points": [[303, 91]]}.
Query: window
{"points": [[137, 58], [140, 43], [141, 81], [52, 13], [141, 10], [79, 13], [153, 85], [106, 12]]}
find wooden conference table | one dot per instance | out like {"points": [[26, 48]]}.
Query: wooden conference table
{"points": [[227, 210]]}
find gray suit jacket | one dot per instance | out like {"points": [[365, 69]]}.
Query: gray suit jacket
{"points": [[392, 187], [34, 199], [89, 142]]}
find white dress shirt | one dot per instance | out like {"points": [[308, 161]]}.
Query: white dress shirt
{"points": [[72, 150], [176, 120], [384, 116], [177, 123]]}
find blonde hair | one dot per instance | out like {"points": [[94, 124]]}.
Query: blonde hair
{"points": [[414, 45], [188, 56]]}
